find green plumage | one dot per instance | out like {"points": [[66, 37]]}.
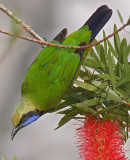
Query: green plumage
{"points": [[52, 72]]}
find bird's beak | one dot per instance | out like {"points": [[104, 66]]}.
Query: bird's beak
{"points": [[15, 130]]}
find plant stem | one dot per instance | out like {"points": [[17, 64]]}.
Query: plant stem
{"points": [[20, 22], [42, 41]]}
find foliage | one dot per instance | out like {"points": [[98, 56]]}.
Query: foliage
{"points": [[4, 158], [103, 86]]}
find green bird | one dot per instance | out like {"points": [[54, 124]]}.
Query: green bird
{"points": [[53, 71]]}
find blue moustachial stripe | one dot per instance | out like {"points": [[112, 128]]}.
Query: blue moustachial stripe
{"points": [[30, 120]]}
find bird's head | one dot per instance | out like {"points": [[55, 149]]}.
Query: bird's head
{"points": [[24, 114]]}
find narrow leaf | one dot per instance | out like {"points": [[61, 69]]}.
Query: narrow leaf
{"points": [[86, 86], [125, 52], [121, 92], [128, 50], [66, 111], [103, 86], [86, 109], [113, 51], [111, 97], [97, 47], [93, 54], [120, 16], [106, 76], [88, 103], [93, 63], [123, 68], [67, 118], [106, 110], [78, 97], [108, 90], [105, 42], [102, 55], [117, 70], [122, 46], [3, 158], [116, 39], [118, 112], [15, 158], [124, 79], [111, 70]]}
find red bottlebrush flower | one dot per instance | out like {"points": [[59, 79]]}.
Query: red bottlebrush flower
{"points": [[100, 140]]}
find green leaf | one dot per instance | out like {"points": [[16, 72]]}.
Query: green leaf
{"points": [[108, 90], [106, 110], [97, 47], [103, 86], [124, 79], [118, 112], [67, 118], [86, 104], [66, 111], [116, 39], [121, 92], [108, 116], [120, 16], [123, 68], [111, 97], [124, 118], [78, 96], [15, 158], [122, 46], [102, 56], [113, 51], [125, 52], [93, 64], [68, 101], [102, 65], [105, 42], [82, 73], [15, 27], [93, 54], [110, 94], [128, 50], [106, 76], [111, 70], [117, 70], [3, 158], [86, 86], [85, 110]]}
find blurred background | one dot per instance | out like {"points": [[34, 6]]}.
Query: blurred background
{"points": [[39, 141]]}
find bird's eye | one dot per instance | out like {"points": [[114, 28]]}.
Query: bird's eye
{"points": [[24, 115]]}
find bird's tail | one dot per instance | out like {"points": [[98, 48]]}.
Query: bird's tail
{"points": [[98, 19]]}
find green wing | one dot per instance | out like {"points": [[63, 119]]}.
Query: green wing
{"points": [[50, 76], [48, 49]]}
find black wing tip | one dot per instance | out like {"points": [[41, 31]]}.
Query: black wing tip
{"points": [[103, 7], [98, 19], [101, 10], [61, 36]]}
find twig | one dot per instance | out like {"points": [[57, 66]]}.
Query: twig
{"points": [[41, 41], [64, 46], [20, 22], [126, 103]]}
